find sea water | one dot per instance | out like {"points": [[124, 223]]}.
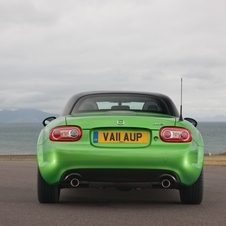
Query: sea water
{"points": [[214, 136], [21, 138]]}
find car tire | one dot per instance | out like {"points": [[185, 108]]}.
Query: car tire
{"points": [[194, 193], [47, 193]]}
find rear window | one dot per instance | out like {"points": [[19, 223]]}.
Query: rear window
{"points": [[120, 102]]}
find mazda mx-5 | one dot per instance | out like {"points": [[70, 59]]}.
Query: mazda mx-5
{"points": [[124, 140]]}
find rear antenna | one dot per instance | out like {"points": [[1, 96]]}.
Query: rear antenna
{"points": [[180, 117]]}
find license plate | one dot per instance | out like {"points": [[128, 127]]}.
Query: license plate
{"points": [[137, 137]]}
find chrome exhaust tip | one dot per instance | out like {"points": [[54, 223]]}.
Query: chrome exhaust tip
{"points": [[74, 182], [167, 180], [165, 183]]}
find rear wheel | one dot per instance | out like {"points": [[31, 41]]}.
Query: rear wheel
{"points": [[194, 193], [47, 193]]}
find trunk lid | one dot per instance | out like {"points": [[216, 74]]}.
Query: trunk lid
{"points": [[120, 119], [120, 129]]}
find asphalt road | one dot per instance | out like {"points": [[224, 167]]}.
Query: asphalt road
{"points": [[19, 205]]}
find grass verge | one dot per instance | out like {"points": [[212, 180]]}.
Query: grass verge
{"points": [[215, 160], [17, 157]]}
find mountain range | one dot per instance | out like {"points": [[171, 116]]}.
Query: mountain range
{"points": [[34, 115], [23, 115]]}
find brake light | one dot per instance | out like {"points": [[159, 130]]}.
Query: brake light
{"points": [[66, 133], [175, 134]]}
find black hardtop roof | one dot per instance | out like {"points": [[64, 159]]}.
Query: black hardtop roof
{"points": [[71, 102], [81, 94]]}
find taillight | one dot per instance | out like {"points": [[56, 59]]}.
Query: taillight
{"points": [[66, 133], [175, 134]]}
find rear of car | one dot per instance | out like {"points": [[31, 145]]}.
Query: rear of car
{"points": [[121, 140]]}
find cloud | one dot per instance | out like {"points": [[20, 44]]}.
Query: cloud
{"points": [[51, 50]]}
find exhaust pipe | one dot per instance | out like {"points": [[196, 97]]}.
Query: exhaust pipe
{"points": [[167, 180], [74, 182], [166, 183]]}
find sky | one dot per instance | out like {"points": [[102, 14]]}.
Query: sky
{"points": [[51, 50]]}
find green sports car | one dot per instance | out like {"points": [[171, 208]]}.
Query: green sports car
{"points": [[123, 140]]}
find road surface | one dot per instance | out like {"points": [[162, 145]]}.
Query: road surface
{"points": [[19, 204]]}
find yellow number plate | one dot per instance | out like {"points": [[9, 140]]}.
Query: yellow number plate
{"points": [[136, 137]]}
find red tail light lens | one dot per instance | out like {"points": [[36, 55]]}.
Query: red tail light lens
{"points": [[66, 133], [175, 134]]}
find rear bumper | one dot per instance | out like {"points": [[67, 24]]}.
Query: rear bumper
{"points": [[101, 166]]}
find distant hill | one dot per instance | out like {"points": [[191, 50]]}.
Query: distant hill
{"points": [[34, 115], [23, 115]]}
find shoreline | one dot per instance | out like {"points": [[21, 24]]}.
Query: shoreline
{"points": [[209, 160]]}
